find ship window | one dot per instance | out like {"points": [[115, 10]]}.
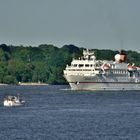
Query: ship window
{"points": [[81, 65], [97, 69], [86, 70], [75, 65], [86, 65], [78, 69]]}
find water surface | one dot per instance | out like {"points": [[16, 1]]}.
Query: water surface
{"points": [[57, 113]]}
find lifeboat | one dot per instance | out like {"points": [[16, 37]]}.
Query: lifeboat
{"points": [[106, 66], [132, 68]]}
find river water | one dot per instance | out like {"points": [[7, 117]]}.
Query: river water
{"points": [[58, 113]]}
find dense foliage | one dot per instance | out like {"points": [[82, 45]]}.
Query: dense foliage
{"points": [[44, 63]]}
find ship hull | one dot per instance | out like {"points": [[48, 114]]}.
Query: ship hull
{"points": [[100, 83], [105, 86]]}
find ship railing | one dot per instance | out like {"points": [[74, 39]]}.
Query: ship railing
{"points": [[79, 69]]}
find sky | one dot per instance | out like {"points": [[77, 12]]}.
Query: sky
{"points": [[101, 24]]}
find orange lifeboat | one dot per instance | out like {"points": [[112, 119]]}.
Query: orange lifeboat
{"points": [[132, 68]]}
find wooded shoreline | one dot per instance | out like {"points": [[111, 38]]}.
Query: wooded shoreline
{"points": [[45, 63]]}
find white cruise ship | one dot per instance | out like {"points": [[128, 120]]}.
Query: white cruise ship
{"points": [[87, 73]]}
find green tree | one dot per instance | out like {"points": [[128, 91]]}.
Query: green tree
{"points": [[9, 79]]}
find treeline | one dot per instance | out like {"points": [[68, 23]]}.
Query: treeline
{"points": [[45, 63]]}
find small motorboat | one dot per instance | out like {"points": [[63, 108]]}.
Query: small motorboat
{"points": [[10, 101]]}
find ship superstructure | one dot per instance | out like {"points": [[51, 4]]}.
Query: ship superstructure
{"points": [[87, 73]]}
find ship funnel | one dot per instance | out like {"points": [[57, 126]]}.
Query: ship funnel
{"points": [[120, 57]]}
